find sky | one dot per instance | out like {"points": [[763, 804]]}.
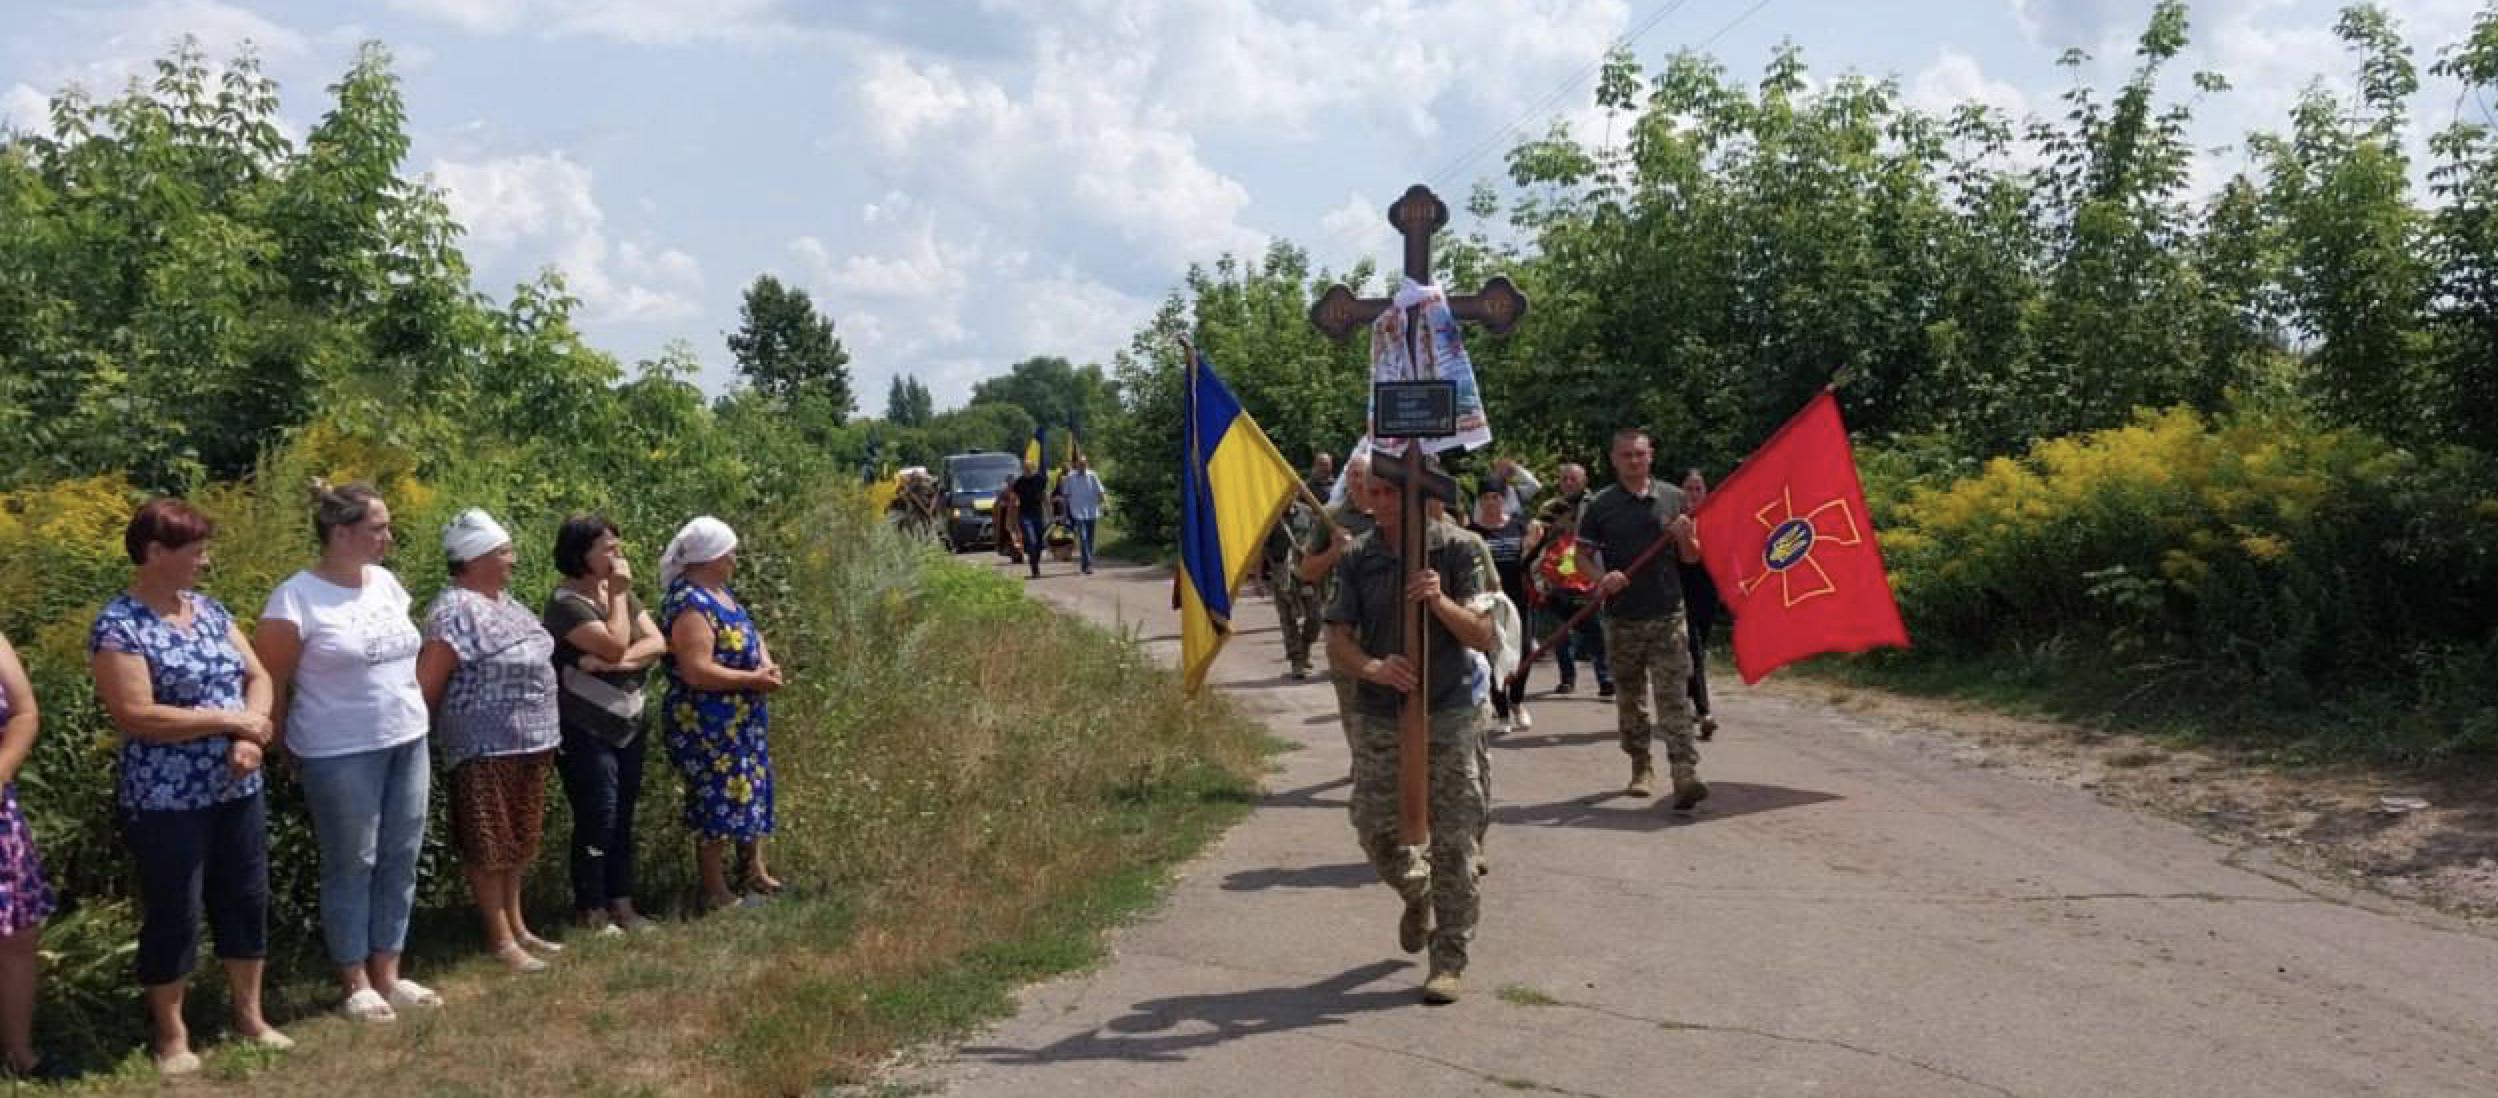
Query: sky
{"points": [[963, 184]]}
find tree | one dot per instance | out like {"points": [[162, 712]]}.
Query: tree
{"points": [[786, 350], [1052, 392], [907, 403]]}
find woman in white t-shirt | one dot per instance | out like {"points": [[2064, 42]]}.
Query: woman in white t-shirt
{"points": [[339, 643]]}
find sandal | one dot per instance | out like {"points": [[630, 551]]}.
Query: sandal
{"points": [[411, 995], [367, 1005]]}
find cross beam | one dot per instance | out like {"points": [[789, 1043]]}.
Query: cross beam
{"points": [[1416, 216], [1498, 306]]}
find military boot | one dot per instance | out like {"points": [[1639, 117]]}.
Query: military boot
{"points": [[1688, 789], [1413, 929], [1442, 988], [1643, 777]]}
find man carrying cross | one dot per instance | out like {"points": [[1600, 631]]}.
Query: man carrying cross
{"points": [[1365, 643]]}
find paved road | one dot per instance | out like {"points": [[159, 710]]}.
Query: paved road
{"points": [[1844, 917]]}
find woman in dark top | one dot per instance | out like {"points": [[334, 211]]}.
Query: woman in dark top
{"points": [[1506, 535], [605, 644], [1701, 610]]}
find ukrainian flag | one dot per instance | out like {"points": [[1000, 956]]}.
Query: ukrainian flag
{"points": [[1233, 485], [1033, 450]]}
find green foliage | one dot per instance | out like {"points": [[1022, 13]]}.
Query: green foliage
{"points": [[1053, 393], [907, 403], [788, 352], [2253, 558]]}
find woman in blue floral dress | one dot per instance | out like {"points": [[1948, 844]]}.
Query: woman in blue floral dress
{"points": [[25, 900], [192, 702], [714, 714]]}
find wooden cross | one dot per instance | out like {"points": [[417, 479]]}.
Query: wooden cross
{"points": [[1498, 306]]}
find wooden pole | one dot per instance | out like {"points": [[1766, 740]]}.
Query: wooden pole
{"points": [[1538, 648]]}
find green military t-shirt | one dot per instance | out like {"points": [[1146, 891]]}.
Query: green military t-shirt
{"points": [[1368, 599]]}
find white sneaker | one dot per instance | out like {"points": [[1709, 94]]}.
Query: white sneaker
{"points": [[410, 995], [1522, 718], [367, 1005]]}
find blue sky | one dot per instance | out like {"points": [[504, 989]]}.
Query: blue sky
{"points": [[966, 183]]}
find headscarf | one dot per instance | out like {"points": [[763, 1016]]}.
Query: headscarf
{"points": [[472, 534], [701, 541]]}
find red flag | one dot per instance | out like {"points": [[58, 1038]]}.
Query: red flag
{"points": [[1788, 542]]}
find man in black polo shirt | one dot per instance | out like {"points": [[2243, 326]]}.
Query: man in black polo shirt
{"points": [[1644, 632], [1365, 643]]}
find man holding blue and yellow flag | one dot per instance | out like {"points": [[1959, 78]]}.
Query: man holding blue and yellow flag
{"points": [[1233, 486]]}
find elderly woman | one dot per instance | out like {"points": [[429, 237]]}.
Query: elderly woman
{"points": [[719, 673], [192, 703], [605, 644], [25, 900], [341, 654], [488, 673]]}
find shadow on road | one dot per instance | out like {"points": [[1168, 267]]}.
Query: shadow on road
{"points": [[1616, 812], [1307, 796], [1348, 875], [1164, 1030]]}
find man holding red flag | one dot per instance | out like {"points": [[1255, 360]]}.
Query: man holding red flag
{"points": [[1789, 543], [1644, 631]]}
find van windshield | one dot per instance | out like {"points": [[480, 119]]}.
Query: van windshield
{"points": [[983, 476]]}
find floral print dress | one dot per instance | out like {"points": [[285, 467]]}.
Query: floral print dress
{"points": [[716, 737], [25, 900]]}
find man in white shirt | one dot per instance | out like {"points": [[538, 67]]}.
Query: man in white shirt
{"points": [[1085, 501]]}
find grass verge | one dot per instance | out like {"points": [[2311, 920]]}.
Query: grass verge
{"points": [[971, 790]]}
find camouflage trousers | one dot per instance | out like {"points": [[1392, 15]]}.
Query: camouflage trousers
{"points": [[1297, 609], [1651, 677], [1443, 874]]}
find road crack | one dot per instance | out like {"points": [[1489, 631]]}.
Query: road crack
{"points": [[1679, 1026]]}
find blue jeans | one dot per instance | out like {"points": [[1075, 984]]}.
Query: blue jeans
{"points": [[368, 811], [603, 784], [1034, 526], [1084, 540], [1588, 640]]}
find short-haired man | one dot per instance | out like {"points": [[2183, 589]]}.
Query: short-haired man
{"points": [[1644, 629], [1365, 643]]}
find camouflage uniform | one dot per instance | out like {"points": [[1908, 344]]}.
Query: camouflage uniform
{"points": [[1652, 655], [1439, 879], [1356, 523], [1487, 578], [1297, 605], [1444, 875]]}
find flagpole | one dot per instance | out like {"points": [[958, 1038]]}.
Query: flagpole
{"points": [[1537, 650]]}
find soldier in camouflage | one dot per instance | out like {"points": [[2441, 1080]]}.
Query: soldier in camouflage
{"points": [[1314, 561], [1365, 642], [1644, 630], [1297, 605]]}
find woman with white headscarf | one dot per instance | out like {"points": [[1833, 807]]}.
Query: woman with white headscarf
{"points": [[488, 673], [714, 715]]}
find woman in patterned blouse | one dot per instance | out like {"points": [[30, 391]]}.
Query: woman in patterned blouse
{"points": [[488, 673], [180, 681]]}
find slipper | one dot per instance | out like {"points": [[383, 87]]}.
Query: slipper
{"points": [[409, 994], [539, 945], [185, 1062], [367, 1005]]}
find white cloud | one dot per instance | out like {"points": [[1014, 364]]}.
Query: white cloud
{"points": [[644, 22], [2063, 24], [542, 208], [1956, 78], [25, 110], [1358, 229]]}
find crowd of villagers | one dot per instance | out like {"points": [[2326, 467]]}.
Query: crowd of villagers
{"points": [[367, 702]]}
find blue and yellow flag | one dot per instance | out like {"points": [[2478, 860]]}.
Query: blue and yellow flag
{"points": [[1033, 450], [1233, 485]]}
